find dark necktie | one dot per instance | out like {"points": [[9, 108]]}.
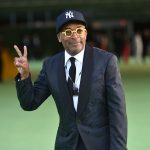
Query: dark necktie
{"points": [[72, 74]]}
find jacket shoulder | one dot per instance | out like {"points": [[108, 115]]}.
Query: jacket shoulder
{"points": [[103, 55], [54, 59], [102, 52]]}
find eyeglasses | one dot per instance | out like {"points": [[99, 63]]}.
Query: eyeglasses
{"points": [[77, 31]]}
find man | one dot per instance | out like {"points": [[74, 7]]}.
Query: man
{"points": [[86, 86]]}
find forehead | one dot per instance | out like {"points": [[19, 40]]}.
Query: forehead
{"points": [[73, 25]]}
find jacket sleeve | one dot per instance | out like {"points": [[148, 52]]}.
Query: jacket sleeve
{"points": [[31, 96], [116, 106]]}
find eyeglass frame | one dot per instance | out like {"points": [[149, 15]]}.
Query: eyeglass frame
{"points": [[74, 31]]}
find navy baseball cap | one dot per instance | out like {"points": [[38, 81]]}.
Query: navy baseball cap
{"points": [[67, 17]]}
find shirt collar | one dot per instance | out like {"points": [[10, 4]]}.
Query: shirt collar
{"points": [[78, 57]]}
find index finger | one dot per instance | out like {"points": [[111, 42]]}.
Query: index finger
{"points": [[25, 51], [17, 50]]}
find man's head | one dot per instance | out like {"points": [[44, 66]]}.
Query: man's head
{"points": [[71, 31]]}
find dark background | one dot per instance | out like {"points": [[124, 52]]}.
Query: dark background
{"points": [[19, 19]]}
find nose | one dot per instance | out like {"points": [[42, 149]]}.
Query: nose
{"points": [[74, 34]]}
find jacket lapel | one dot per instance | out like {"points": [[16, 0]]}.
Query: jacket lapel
{"points": [[64, 91], [85, 82]]}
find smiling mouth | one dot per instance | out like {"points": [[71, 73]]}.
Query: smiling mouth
{"points": [[75, 43]]}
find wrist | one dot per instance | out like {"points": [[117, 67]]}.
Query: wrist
{"points": [[24, 76]]}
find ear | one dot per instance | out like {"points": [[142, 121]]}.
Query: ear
{"points": [[59, 37]]}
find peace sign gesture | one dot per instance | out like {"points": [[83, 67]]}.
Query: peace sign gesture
{"points": [[21, 62]]}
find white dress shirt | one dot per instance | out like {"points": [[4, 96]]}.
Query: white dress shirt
{"points": [[78, 64]]}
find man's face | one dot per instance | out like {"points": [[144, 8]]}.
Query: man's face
{"points": [[73, 38]]}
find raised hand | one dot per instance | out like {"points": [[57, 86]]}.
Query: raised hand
{"points": [[21, 62]]}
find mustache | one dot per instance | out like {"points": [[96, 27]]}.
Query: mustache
{"points": [[74, 42]]}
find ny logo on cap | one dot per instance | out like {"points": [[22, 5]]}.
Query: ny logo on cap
{"points": [[69, 14]]}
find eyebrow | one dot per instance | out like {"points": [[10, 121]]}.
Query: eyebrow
{"points": [[71, 29]]}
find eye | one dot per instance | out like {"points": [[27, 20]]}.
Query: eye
{"points": [[79, 31], [68, 32]]}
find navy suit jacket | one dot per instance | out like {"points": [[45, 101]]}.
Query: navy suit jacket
{"points": [[100, 120]]}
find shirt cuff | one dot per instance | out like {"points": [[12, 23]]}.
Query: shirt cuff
{"points": [[18, 78]]}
